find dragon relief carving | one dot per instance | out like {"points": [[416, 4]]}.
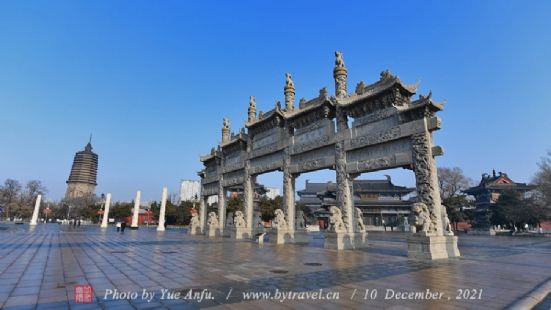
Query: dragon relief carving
{"points": [[423, 164], [343, 179]]}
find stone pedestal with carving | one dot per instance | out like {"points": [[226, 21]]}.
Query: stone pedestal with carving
{"points": [[345, 240], [425, 246], [301, 237], [280, 236], [194, 230], [240, 233], [213, 232], [338, 241]]}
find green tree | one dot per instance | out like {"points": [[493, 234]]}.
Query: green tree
{"points": [[234, 204], [120, 211], [511, 210]]}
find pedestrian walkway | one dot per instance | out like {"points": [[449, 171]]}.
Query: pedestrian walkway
{"points": [[41, 268]]}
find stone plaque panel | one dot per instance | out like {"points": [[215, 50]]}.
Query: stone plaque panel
{"points": [[317, 159], [266, 163], [313, 136], [210, 189], [388, 155], [233, 178], [267, 142], [234, 161], [384, 131]]}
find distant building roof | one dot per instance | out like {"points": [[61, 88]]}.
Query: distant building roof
{"points": [[360, 186], [497, 182]]}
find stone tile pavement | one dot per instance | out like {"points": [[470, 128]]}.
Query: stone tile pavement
{"points": [[39, 269]]}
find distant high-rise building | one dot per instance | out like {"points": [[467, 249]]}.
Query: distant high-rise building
{"points": [[190, 190], [272, 192], [82, 180]]}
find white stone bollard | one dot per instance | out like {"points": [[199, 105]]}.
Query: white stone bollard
{"points": [[136, 211], [161, 226], [34, 219], [106, 211]]}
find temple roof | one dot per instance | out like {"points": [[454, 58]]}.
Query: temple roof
{"points": [[263, 117], [386, 82], [360, 186], [500, 181]]}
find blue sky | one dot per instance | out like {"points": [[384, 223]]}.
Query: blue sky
{"points": [[152, 80]]}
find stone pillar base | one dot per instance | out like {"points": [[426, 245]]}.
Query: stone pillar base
{"points": [[301, 237], [193, 230], [429, 247], [283, 236], [345, 240], [133, 228], [240, 233], [227, 232], [213, 232]]}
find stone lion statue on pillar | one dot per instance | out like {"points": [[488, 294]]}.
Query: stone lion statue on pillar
{"points": [[422, 221], [279, 219], [239, 219], [213, 220], [360, 220], [194, 222], [335, 220]]}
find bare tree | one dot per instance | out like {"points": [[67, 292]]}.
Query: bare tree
{"points": [[9, 195], [452, 181], [543, 179]]}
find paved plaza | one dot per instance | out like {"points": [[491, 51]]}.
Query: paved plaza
{"points": [[39, 270]]}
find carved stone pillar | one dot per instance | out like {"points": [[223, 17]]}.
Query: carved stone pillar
{"points": [[431, 242], [340, 74], [202, 213], [252, 109], [345, 201], [426, 179], [248, 197], [289, 91], [226, 134], [221, 205], [289, 198]]}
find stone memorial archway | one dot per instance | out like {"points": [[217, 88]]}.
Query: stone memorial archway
{"points": [[388, 130]]}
